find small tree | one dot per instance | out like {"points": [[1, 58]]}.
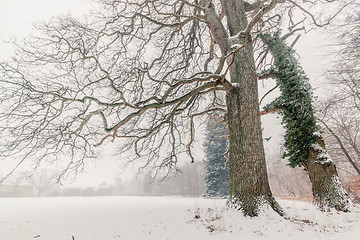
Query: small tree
{"points": [[216, 171], [42, 181]]}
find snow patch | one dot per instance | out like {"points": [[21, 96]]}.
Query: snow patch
{"points": [[175, 218], [322, 155], [317, 134], [235, 85], [236, 46], [235, 37]]}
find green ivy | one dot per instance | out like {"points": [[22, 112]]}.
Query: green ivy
{"points": [[295, 101]]}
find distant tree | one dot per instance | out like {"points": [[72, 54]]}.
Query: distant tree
{"points": [[287, 182], [191, 179], [148, 183], [186, 181], [340, 112], [73, 191], [16, 181], [341, 123], [118, 185], [216, 172], [88, 191], [42, 181]]}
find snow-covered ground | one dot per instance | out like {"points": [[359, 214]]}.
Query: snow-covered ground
{"points": [[165, 218]]}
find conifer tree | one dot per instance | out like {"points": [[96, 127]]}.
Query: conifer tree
{"points": [[216, 173]]}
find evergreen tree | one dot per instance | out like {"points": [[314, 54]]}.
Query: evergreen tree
{"points": [[216, 174]]}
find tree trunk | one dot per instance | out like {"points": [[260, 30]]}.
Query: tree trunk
{"points": [[327, 189], [249, 186]]}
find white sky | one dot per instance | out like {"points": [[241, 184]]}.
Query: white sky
{"points": [[17, 16]]}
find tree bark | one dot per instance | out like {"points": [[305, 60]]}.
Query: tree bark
{"points": [[327, 189], [249, 186]]}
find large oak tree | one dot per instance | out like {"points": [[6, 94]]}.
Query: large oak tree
{"points": [[142, 73]]}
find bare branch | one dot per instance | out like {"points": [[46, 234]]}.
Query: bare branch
{"points": [[268, 93], [264, 10], [313, 17]]}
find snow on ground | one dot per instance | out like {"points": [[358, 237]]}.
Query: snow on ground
{"points": [[165, 218]]}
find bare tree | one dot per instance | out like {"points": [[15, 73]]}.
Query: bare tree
{"points": [[342, 125], [187, 182], [42, 181], [341, 111], [145, 73]]}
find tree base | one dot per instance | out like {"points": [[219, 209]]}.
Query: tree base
{"points": [[336, 198], [328, 191], [253, 207]]}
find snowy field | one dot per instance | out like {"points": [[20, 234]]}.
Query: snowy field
{"points": [[165, 218]]}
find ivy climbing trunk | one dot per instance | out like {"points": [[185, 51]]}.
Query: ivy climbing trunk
{"points": [[303, 145], [249, 188], [327, 189]]}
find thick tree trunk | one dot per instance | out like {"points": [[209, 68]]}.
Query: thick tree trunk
{"points": [[249, 186], [327, 189]]}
